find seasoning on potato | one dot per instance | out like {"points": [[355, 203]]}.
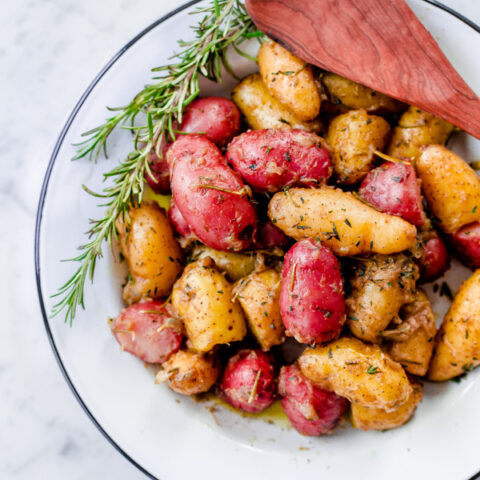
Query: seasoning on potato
{"points": [[153, 256], [451, 187], [290, 80], [340, 221], [380, 286], [203, 299], [457, 348], [353, 138]]}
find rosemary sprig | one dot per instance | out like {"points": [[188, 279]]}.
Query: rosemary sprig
{"points": [[225, 24]]}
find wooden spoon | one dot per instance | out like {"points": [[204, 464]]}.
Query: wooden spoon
{"points": [[378, 43]]}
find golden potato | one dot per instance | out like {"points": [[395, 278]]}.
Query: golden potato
{"points": [[258, 295], [353, 137], [290, 80], [377, 419], [340, 221], [264, 111], [415, 130], [451, 187], [235, 265], [413, 339], [457, 348], [362, 373], [189, 373], [354, 95], [380, 285], [203, 299], [153, 255]]}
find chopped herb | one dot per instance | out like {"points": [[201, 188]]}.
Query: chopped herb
{"points": [[283, 121], [347, 221], [371, 370], [354, 319], [474, 209], [288, 158], [329, 353], [219, 291], [446, 290], [397, 179], [458, 379], [171, 258], [467, 367], [369, 121]]}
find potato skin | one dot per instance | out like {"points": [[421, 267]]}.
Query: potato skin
{"points": [[178, 222], [203, 299], [435, 260], [159, 177], [414, 337], [457, 348], [362, 373], [234, 265], [355, 96], [248, 382], [311, 410], [415, 130], [378, 419], [269, 236], [311, 299], [353, 137], [290, 80], [380, 285], [262, 110], [189, 373], [148, 331], [258, 295], [211, 197], [342, 222], [153, 255], [451, 187], [393, 188], [467, 244], [271, 159]]}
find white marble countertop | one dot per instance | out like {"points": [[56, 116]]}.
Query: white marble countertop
{"points": [[49, 52]]}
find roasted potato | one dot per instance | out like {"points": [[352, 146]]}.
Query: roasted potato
{"points": [[311, 298], [467, 244], [362, 373], [203, 299], [189, 373], [258, 295], [153, 256], [248, 382], [262, 110], [380, 286], [342, 222], [271, 159], [211, 197], [451, 187], [457, 348], [353, 137], [311, 410], [412, 340], [415, 130], [434, 260], [290, 80], [234, 265], [355, 96], [377, 419], [269, 236]]}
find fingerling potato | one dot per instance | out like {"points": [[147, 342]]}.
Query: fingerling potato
{"points": [[415, 130], [457, 348], [203, 299], [258, 295], [467, 244], [290, 80], [353, 137], [362, 373], [451, 187], [152, 253], [262, 110], [340, 221]]}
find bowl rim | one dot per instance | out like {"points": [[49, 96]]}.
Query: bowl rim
{"points": [[43, 193]]}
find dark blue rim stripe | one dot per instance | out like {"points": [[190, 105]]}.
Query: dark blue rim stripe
{"points": [[43, 194]]}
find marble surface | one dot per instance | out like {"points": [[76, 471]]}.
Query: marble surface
{"points": [[49, 52]]}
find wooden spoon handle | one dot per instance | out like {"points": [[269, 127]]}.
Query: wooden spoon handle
{"points": [[381, 44]]}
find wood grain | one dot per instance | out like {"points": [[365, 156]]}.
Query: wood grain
{"points": [[378, 43]]}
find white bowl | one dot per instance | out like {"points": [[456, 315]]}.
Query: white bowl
{"points": [[172, 437]]}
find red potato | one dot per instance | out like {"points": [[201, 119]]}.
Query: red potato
{"points": [[178, 222], [393, 188], [312, 303], [249, 381], [467, 244], [159, 180], [211, 197], [270, 236], [311, 410], [271, 159], [148, 331], [435, 260]]}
